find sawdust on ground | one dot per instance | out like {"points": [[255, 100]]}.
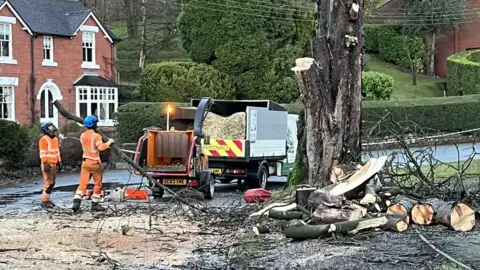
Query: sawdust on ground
{"points": [[64, 241]]}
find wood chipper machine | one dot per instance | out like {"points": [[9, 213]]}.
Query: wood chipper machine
{"points": [[175, 157]]}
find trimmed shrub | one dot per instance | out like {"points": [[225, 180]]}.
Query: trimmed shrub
{"points": [[181, 81], [133, 117], [376, 86], [463, 73], [15, 141], [393, 46]]}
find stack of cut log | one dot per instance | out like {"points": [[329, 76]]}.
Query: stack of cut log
{"points": [[360, 203]]}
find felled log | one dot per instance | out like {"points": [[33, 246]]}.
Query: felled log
{"points": [[384, 222], [277, 206], [356, 183], [322, 197], [302, 195], [330, 215], [357, 214], [300, 231], [423, 213], [457, 216], [403, 207], [370, 196], [260, 229], [390, 192], [284, 215], [342, 172]]}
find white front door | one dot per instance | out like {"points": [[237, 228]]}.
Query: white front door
{"points": [[48, 112]]}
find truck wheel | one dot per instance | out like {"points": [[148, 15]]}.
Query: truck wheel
{"points": [[260, 180], [207, 182]]}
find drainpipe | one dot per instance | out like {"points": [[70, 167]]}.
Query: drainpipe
{"points": [[32, 78], [114, 77]]}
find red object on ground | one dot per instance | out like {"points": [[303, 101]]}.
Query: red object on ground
{"points": [[136, 194], [193, 184], [256, 195]]}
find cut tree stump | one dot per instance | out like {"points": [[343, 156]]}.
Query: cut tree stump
{"points": [[284, 215], [322, 197], [457, 216], [403, 206], [330, 215], [302, 195], [300, 231]]}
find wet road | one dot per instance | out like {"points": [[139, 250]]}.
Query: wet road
{"points": [[27, 196]]}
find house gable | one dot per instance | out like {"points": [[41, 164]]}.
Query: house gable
{"points": [[14, 12], [97, 22]]}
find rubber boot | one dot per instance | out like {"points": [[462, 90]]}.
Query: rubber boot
{"points": [[48, 205], [76, 205], [96, 207]]}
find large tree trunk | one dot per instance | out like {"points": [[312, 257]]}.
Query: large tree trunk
{"points": [[430, 59], [330, 89]]}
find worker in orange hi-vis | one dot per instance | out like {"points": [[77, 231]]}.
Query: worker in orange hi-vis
{"points": [[92, 144], [49, 156]]}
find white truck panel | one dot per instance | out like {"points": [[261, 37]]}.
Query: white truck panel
{"points": [[268, 148], [264, 124]]}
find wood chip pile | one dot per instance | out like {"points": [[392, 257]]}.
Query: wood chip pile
{"points": [[358, 203], [231, 127]]}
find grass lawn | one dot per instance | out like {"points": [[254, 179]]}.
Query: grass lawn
{"points": [[450, 169], [128, 50], [426, 85]]}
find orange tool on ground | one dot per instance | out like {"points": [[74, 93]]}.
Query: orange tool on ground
{"points": [[136, 194]]}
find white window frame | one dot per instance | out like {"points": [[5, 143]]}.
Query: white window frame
{"points": [[13, 83], [90, 30], [8, 21], [48, 62], [108, 121]]}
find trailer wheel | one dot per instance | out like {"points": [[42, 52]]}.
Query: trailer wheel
{"points": [[157, 192]]}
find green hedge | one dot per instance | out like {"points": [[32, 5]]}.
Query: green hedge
{"points": [[181, 81], [393, 46], [429, 115], [463, 73], [133, 117], [376, 86], [16, 142]]}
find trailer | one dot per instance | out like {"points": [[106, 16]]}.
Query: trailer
{"points": [[257, 156]]}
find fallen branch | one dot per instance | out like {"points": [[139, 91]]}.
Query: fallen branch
{"points": [[284, 215], [330, 215], [278, 206], [298, 230], [261, 229], [441, 252], [119, 152]]}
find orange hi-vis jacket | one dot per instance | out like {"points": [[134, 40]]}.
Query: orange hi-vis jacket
{"points": [[92, 144], [49, 150]]}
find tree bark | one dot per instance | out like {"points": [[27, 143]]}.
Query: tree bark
{"points": [[403, 207], [330, 89], [430, 59], [302, 195], [300, 167], [131, 14], [143, 47]]}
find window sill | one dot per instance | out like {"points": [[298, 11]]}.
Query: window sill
{"points": [[90, 65], [49, 64], [8, 61]]}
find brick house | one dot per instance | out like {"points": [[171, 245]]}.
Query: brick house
{"points": [[55, 50], [450, 40]]}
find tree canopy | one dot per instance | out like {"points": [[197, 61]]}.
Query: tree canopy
{"points": [[254, 43]]}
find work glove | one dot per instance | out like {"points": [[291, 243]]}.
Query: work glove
{"points": [[111, 141], [47, 168]]}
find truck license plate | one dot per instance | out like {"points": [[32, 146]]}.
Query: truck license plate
{"points": [[217, 171], [175, 182]]}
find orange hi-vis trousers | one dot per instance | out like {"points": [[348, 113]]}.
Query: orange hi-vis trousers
{"points": [[94, 168], [48, 181]]}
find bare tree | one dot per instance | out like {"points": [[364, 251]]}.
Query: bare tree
{"points": [[143, 46]]}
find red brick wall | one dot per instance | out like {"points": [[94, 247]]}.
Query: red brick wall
{"points": [[68, 55]]}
